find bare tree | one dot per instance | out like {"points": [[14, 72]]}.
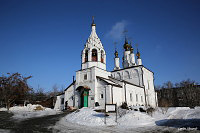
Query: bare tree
{"points": [[164, 105], [12, 87], [168, 85]]}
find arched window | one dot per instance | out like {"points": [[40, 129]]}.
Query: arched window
{"points": [[126, 75], [135, 77], [86, 55], [94, 55], [102, 56], [118, 76]]}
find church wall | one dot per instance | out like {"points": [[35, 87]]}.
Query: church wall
{"points": [[90, 82], [117, 95], [148, 79], [69, 95], [86, 78], [132, 75], [135, 95], [99, 85], [58, 104]]}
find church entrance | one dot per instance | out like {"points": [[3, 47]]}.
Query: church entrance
{"points": [[84, 93], [84, 98]]}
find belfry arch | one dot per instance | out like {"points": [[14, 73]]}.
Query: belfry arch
{"points": [[94, 55], [86, 55]]}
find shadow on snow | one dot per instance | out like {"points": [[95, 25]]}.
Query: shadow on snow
{"points": [[180, 123]]}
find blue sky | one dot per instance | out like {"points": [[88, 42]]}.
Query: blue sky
{"points": [[44, 38]]}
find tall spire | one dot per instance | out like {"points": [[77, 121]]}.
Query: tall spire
{"points": [[93, 24]]}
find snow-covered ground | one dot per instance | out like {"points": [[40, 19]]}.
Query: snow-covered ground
{"points": [[129, 120], [29, 111]]}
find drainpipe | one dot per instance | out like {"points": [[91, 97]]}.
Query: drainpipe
{"points": [[125, 91], [112, 93], [74, 93]]}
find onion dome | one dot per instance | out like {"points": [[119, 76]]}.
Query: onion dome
{"points": [[116, 54], [138, 54], [93, 24], [126, 45]]}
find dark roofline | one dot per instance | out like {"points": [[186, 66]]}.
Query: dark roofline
{"points": [[126, 82], [132, 67], [148, 69], [91, 68], [125, 68], [60, 94], [70, 85], [104, 79]]}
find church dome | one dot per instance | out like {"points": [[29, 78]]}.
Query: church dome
{"points": [[126, 45], [116, 54]]}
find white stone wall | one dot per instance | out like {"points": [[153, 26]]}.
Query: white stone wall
{"points": [[148, 79], [90, 82], [138, 97], [69, 95], [58, 105]]}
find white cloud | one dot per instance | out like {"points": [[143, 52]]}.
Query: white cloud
{"points": [[116, 33]]}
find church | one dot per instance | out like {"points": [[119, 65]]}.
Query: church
{"points": [[95, 86]]}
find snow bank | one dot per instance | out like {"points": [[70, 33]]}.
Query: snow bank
{"points": [[131, 119], [184, 113], [136, 119], [86, 116], [89, 117], [29, 111]]}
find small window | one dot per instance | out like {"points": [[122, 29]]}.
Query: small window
{"points": [[148, 84], [101, 96], [62, 101], [136, 97], [131, 98], [85, 77], [141, 99]]}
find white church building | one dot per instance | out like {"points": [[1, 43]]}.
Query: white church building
{"points": [[95, 86]]}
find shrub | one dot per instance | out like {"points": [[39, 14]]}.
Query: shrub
{"points": [[142, 110], [124, 105], [150, 111]]}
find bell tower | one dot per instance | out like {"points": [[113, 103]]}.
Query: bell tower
{"points": [[93, 53]]}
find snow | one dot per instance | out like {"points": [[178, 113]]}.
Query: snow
{"points": [[136, 119], [3, 109], [130, 119], [86, 116], [29, 111]]}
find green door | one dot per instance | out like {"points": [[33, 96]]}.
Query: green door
{"points": [[85, 94]]}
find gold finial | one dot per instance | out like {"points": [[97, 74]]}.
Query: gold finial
{"points": [[131, 49], [93, 24], [116, 53], [138, 54]]}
